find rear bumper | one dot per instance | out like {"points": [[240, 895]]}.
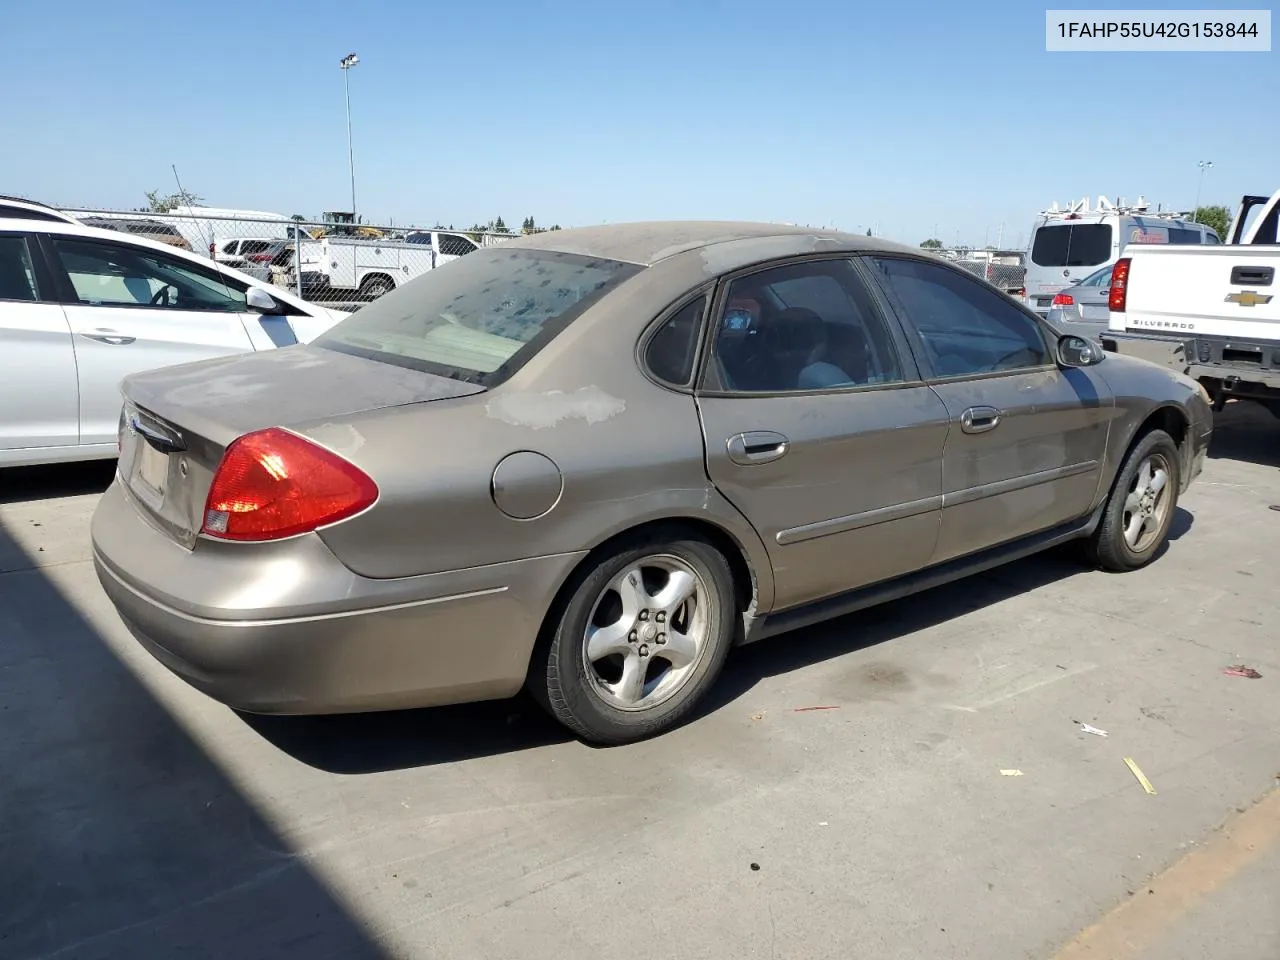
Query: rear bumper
{"points": [[288, 629], [1233, 367]]}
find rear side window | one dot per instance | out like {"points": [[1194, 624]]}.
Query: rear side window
{"points": [[480, 317], [1099, 278], [255, 246], [669, 355], [452, 245], [17, 275], [1178, 235], [1072, 245]]}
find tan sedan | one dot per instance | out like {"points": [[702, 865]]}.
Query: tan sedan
{"points": [[589, 462]]}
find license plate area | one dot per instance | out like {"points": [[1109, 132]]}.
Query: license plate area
{"points": [[153, 468]]}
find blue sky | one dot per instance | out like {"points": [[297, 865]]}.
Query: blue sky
{"points": [[904, 115]]}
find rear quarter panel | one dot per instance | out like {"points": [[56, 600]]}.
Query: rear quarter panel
{"points": [[628, 452]]}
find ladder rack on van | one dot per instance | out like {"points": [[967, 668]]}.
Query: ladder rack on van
{"points": [[1080, 208]]}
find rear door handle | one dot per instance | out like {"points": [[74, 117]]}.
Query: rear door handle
{"points": [[979, 419], [757, 446]]}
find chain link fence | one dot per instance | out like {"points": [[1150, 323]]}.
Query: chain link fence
{"points": [[1005, 269], [343, 264], [336, 263]]}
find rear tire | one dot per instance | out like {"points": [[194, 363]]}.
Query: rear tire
{"points": [[641, 639], [375, 287], [1140, 509]]}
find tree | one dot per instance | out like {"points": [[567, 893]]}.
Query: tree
{"points": [[554, 226], [183, 198], [299, 218], [1219, 218], [931, 244], [498, 226]]}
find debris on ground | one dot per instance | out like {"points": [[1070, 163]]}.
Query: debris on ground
{"points": [[1011, 773], [807, 709], [755, 866], [1142, 777], [757, 716], [1090, 728], [1240, 670]]}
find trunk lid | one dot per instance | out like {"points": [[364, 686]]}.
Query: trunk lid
{"points": [[177, 421]]}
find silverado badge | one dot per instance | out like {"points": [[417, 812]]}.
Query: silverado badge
{"points": [[1247, 298]]}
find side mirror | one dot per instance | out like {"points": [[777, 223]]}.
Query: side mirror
{"points": [[1076, 351], [259, 301]]}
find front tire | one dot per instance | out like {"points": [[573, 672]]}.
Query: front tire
{"points": [[1139, 512], [640, 641]]}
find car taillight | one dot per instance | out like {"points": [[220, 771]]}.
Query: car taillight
{"points": [[1063, 300], [213, 252], [1020, 293], [259, 257], [274, 483], [1117, 296]]}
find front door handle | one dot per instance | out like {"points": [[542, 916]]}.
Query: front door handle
{"points": [[109, 336], [979, 419], [758, 446]]}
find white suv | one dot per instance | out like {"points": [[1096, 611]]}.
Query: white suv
{"points": [[81, 308]]}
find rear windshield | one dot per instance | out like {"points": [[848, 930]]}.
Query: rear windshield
{"points": [[1072, 245], [480, 317]]}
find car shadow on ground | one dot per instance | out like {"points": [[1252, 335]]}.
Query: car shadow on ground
{"points": [[21, 484], [375, 742], [1246, 432], [119, 836], [399, 739]]}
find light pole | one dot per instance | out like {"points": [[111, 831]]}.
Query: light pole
{"points": [[346, 63], [1204, 168]]}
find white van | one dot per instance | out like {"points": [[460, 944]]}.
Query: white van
{"points": [[1068, 245]]}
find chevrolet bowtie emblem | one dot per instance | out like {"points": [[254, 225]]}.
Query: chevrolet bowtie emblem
{"points": [[1247, 298]]}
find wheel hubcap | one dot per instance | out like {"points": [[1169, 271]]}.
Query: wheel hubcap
{"points": [[1147, 505], [647, 633]]}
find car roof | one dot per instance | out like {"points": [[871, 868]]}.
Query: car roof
{"points": [[648, 242], [35, 206]]}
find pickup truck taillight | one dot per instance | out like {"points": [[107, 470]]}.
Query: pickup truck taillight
{"points": [[1064, 300], [1118, 295]]}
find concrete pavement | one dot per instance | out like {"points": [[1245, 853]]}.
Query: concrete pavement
{"points": [[138, 818]]}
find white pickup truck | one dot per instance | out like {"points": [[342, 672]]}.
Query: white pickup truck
{"points": [[339, 267], [1212, 312]]}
